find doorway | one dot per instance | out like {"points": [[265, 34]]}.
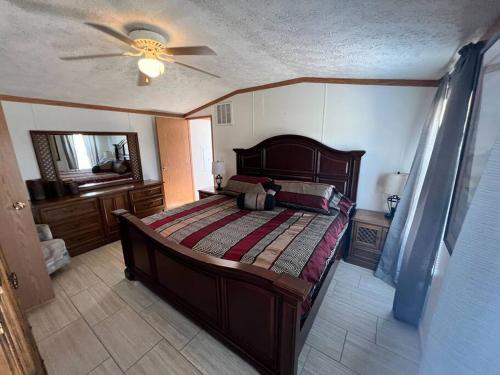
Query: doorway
{"points": [[200, 130]]}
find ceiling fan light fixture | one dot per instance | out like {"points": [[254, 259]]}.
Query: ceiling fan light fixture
{"points": [[151, 67]]}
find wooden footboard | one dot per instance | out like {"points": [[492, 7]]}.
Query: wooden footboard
{"points": [[255, 311]]}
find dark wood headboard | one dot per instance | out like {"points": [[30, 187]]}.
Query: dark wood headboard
{"points": [[294, 157]]}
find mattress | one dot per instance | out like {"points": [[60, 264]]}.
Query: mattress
{"points": [[297, 242]]}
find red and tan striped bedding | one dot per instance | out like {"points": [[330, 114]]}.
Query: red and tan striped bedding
{"points": [[297, 242]]}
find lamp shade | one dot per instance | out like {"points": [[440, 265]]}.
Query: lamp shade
{"points": [[218, 168], [394, 183], [151, 67]]}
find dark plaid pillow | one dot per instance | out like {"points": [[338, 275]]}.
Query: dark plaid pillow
{"points": [[256, 201]]}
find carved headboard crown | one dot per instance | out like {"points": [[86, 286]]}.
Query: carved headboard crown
{"points": [[295, 157]]}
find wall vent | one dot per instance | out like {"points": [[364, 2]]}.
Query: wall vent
{"points": [[224, 114]]}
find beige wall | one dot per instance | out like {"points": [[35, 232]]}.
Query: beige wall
{"points": [[385, 121]]}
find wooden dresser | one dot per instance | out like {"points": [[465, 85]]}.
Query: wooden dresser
{"points": [[85, 221], [368, 232]]}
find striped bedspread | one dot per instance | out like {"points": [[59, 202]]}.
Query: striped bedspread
{"points": [[297, 242]]}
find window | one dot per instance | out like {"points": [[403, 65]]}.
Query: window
{"points": [[479, 140]]}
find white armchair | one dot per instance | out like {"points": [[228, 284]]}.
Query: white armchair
{"points": [[54, 249]]}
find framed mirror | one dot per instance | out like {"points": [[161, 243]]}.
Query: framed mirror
{"points": [[91, 159]]}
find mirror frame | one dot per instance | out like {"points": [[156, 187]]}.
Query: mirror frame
{"points": [[47, 165]]}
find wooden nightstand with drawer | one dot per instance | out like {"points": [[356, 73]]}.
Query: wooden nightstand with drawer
{"points": [[368, 232], [207, 192]]}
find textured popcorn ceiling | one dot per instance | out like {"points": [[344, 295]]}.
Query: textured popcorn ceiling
{"points": [[257, 42]]}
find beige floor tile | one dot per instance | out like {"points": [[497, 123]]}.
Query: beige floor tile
{"points": [[369, 301], [377, 286], [367, 358], [347, 276], [126, 336], [108, 367], [349, 318], [399, 338], [97, 303], [135, 294], [303, 357], [107, 267], [171, 324], [163, 359], [327, 338], [73, 350], [52, 316], [76, 277], [213, 358], [319, 364]]}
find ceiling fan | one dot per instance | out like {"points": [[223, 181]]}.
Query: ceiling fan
{"points": [[152, 51]]}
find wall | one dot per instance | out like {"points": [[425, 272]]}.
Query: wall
{"points": [[23, 117], [385, 121]]}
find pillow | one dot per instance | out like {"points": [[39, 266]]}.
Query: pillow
{"points": [[271, 188], [243, 184], [311, 196], [119, 167], [341, 203], [256, 201], [106, 166]]}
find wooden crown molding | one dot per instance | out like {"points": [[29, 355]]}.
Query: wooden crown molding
{"points": [[22, 99], [345, 81]]}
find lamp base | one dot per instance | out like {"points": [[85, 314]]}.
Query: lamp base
{"points": [[218, 180]]}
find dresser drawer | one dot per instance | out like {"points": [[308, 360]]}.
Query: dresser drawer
{"points": [[82, 238], [68, 212], [146, 193], [149, 204], [76, 224]]}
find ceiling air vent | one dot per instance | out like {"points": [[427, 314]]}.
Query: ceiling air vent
{"points": [[223, 114]]}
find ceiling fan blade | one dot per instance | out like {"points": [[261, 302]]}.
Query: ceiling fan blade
{"points": [[197, 69], [86, 57], [113, 33], [194, 50], [143, 80]]}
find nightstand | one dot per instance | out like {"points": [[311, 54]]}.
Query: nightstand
{"points": [[208, 192], [368, 232]]}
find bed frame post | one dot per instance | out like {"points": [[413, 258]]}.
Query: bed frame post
{"points": [[126, 244]]}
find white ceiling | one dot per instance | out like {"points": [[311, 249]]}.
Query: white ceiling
{"points": [[257, 42]]}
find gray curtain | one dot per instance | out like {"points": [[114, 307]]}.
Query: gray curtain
{"points": [[69, 151], [426, 229], [465, 329], [389, 264]]}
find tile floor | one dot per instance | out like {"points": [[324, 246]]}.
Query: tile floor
{"points": [[82, 330]]}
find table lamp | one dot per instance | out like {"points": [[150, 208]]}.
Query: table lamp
{"points": [[218, 170], [393, 185]]}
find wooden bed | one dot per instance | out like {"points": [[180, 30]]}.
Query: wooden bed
{"points": [[255, 311]]}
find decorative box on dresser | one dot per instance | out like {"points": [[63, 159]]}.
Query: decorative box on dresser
{"points": [[368, 232], [85, 221]]}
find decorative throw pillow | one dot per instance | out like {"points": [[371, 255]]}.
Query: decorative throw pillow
{"points": [[107, 166], [311, 196], [341, 203], [256, 201], [243, 184], [119, 167], [272, 188]]}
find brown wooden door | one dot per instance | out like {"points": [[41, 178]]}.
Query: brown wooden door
{"points": [[175, 157], [18, 236], [18, 352]]}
